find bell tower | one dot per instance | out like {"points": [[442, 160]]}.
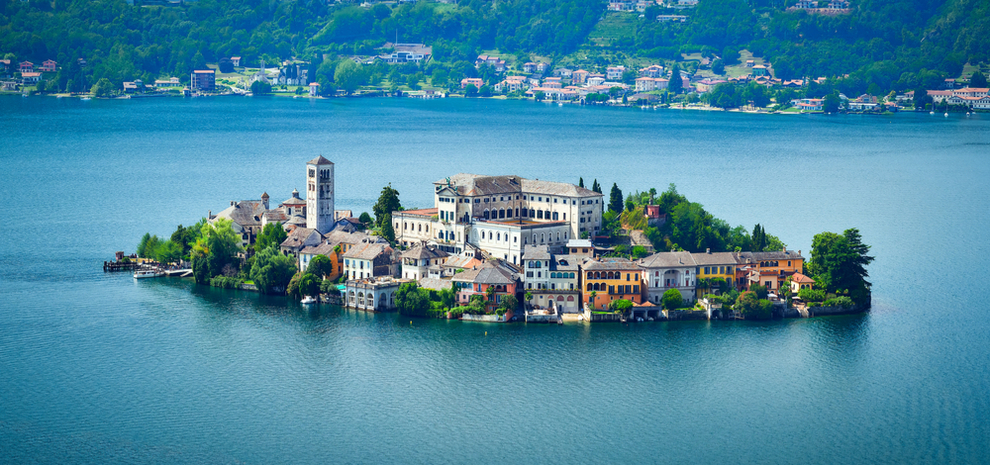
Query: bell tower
{"points": [[319, 194]]}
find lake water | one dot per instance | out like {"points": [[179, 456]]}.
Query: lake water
{"points": [[98, 368]]}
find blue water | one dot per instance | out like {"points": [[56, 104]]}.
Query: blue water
{"points": [[98, 368]]}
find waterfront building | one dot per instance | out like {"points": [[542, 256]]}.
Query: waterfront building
{"points": [[452, 265], [373, 294], [669, 270], [477, 282], [203, 80], [298, 239], [417, 260], [713, 266], [370, 259], [768, 269], [319, 194], [800, 281], [611, 278], [552, 279], [501, 215]]}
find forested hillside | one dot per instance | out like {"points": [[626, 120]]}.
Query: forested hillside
{"points": [[881, 44]]}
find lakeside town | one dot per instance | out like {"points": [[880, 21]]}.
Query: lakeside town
{"points": [[750, 86], [505, 248]]}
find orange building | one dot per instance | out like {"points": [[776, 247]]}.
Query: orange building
{"points": [[768, 269], [611, 278]]}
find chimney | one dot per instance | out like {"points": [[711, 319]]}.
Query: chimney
{"points": [[264, 199], [708, 250], [799, 252]]}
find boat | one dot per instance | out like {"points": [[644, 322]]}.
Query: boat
{"points": [[85, 99], [148, 274], [308, 300]]}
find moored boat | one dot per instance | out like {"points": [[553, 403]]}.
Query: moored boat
{"points": [[148, 274]]}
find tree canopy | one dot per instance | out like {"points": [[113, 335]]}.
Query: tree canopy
{"points": [[272, 271], [388, 202], [838, 263]]}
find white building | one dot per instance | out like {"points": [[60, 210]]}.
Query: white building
{"points": [[501, 215], [417, 261], [669, 270]]}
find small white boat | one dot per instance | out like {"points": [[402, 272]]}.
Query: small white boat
{"points": [[85, 99], [308, 300], [946, 115], [931, 113], [148, 274]]}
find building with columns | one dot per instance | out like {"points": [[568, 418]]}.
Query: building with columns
{"points": [[501, 215]]}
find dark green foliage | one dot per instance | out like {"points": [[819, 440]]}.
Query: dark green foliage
{"points": [[320, 265], [761, 291], [225, 282], [509, 302], [752, 307], [978, 80], [168, 252], [838, 263], [672, 299], [581, 182], [309, 284], [812, 295], [388, 231], [271, 236], [388, 202], [201, 270], [261, 88], [840, 301], [615, 199], [142, 248], [412, 301], [272, 271], [623, 306], [675, 86], [365, 218]]}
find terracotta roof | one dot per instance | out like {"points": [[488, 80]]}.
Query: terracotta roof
{"points": [[460, 261], [801, 279]]}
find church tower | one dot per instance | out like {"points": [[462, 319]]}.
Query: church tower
{"points": [[319, 194]]}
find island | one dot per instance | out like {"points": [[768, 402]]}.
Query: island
{"points": [[506, 248]]}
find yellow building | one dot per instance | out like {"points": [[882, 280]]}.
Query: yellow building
{"points": [[714, 265], [611, 278], [769, 269]]}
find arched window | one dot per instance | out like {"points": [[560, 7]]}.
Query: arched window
{"points": [[498, 237], [501, 213], [589, 275], [486, 214], [598, 275], [489, 235], [543, 238], [403, 226], [539, 214], [570, 298], [589, 290], [555, 215], [517, 212], [532, 213]]}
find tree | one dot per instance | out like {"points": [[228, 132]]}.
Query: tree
{"points": [[143, 245], [977, 80], [225, 65], [718, 67], [309, 284], [365, 218], [595, 187], [219, 244], [761, 291], [272, 271], [675, 86], [261, 88], [388, 232], [752, 307], [102, 88], [168, 252], [349, 76], [509, 303], [831, 103], [321, 266], [411, 300], [621, 306], [581, 182], [921, 98], [271, 236], [388, 202], [838, 263], [528, 297], [615, 199], [672, 299]]}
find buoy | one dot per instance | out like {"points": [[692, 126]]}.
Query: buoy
{"points": [[486, 333], [410, 321]]}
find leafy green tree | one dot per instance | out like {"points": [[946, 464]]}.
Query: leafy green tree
{"points": [[365, 218], [321, 266], [471, 90], [615, 203], [761, 291], [581, 182], [309, 284], [838, 262], [272, 271], [219, 244], [261, 88], [168, 252], [142, 247], [752, 307], [388, 202], [349, 76], [672, 299], [411, 300], [508, 303], [621, 306], [103, 88], [718, 67], [272, 235], [830, 104]]}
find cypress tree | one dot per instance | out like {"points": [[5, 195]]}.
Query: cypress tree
{"points": [[615, 199]]}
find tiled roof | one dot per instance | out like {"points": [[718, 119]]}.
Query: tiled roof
{"points": [[487, 274], [668, 260], [610, 263], [460, 261], [338, 237], [368, 251], [319, 161], [436, 284], [774, 255], [475, 184], [298, 237], [537, 252], [801, 279], [715, 258], [244, 213], [420, 252]]}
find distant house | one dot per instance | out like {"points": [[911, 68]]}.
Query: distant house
{"points": [[314, 89], [168, 83], [579, 76], [800, 281], [477, 82], [491, 60], [236, 61], [529, 67], [48, 66], [653, 71], [614, 73], [370, 259], [760, 70], [417, 260], [406, 53], [512, 84], [26, 67], [4, 66], [553, 83], [595, 80], [939, 95], [563, 73], [664, 271], [542, 67], [808, 104], [672, 18], [750, 63], [203, 80], [647, 84], [621, 5], [477, 281], [30, 78], [971, 92], [373, 294]]}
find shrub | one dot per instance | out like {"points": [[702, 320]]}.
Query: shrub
{"points": [[672, 299], [225, 282], [842, 301], [812, 295]]}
